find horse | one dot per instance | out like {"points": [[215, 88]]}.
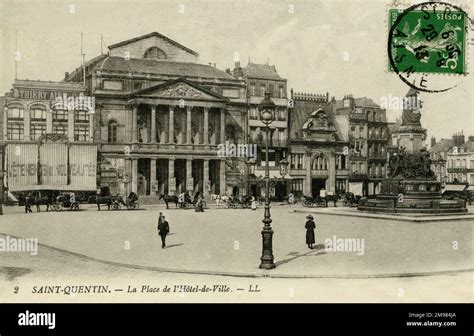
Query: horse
{"points": [[334, 198], [169, 198], [104, 200], [41, 200]]}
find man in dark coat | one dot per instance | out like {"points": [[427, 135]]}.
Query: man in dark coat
{"points": [[310, 226], [163, 229]]}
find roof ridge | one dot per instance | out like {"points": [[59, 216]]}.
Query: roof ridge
{"points": [[119, 44]]}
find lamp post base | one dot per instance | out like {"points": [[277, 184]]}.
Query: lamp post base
{"points": [[267, 251]]}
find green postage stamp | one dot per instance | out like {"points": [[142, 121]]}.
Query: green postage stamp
{"points": [[428, 38]]}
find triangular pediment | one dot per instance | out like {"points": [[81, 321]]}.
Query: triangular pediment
{"points": [[178, 89]]}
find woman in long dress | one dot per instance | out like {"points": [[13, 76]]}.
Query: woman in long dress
{"points": [[310, 226]]}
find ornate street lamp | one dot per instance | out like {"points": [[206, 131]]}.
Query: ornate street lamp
{"points": [[267, 113]]}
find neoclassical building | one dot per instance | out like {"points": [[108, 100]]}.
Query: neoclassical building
{"points": [[160, 115]]}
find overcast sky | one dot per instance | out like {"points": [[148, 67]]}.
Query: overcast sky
{"points": [[319, 45]]}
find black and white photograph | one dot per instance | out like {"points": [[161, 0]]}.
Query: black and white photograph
{"points": [[238, 151]]}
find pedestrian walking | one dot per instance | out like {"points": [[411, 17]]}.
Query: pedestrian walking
{"points": [[28, 200], [163, 229], [218, 200], [310, 226]]}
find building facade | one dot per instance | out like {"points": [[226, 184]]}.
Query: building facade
{"points": [[161, 116], [355, 138], [460, 160], [261, 78], [47, 132]]}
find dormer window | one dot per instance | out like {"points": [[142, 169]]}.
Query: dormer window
{"points": [[154, 53]]}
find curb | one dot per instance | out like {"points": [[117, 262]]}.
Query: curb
{"points": [[468, 216], [250, 275]]}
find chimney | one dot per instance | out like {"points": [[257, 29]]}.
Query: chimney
{"points": [[458, 139], [433, 141], [66, 75], [238, 72]]}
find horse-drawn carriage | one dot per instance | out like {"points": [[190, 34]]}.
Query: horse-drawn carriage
{"points": [[182, 200], [318, 201], [116, 202], [235, 202], [351, 200], [66, 200]]}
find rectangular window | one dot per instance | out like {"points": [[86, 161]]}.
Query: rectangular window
{"points": [[60, 115], [300, 161], [252, 89], [270, 89], [15, 113], [81, 116], [38, 114], [60, 129], [15, 131], [137, 86], [262, 90], [81, 133], [281, 92], [37, 130]]}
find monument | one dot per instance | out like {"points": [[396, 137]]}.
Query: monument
{"points": [[411, 187]]}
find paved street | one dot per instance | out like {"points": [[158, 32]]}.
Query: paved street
{"points": [[52, 268], [227, 241]]}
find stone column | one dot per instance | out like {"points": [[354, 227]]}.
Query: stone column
{"points": [[171, 127], [222, 135], [171, 178], [189, 175], [222, 187], [206, 126], [332, 173], [188, 124], [307, 180], [153, 124], [206, 183], [134, 123], [26, 124], [70, 125], [153, 183], [135, 175]]}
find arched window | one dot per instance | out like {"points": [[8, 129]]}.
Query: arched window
{"points": [[154, 53], [112, 131], [37, 114], [319, 163]]}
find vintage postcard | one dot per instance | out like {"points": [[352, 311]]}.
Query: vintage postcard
{"points": [[236, 151]]}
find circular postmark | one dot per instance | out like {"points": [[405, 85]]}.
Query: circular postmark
{"points": [[427, 45]]}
